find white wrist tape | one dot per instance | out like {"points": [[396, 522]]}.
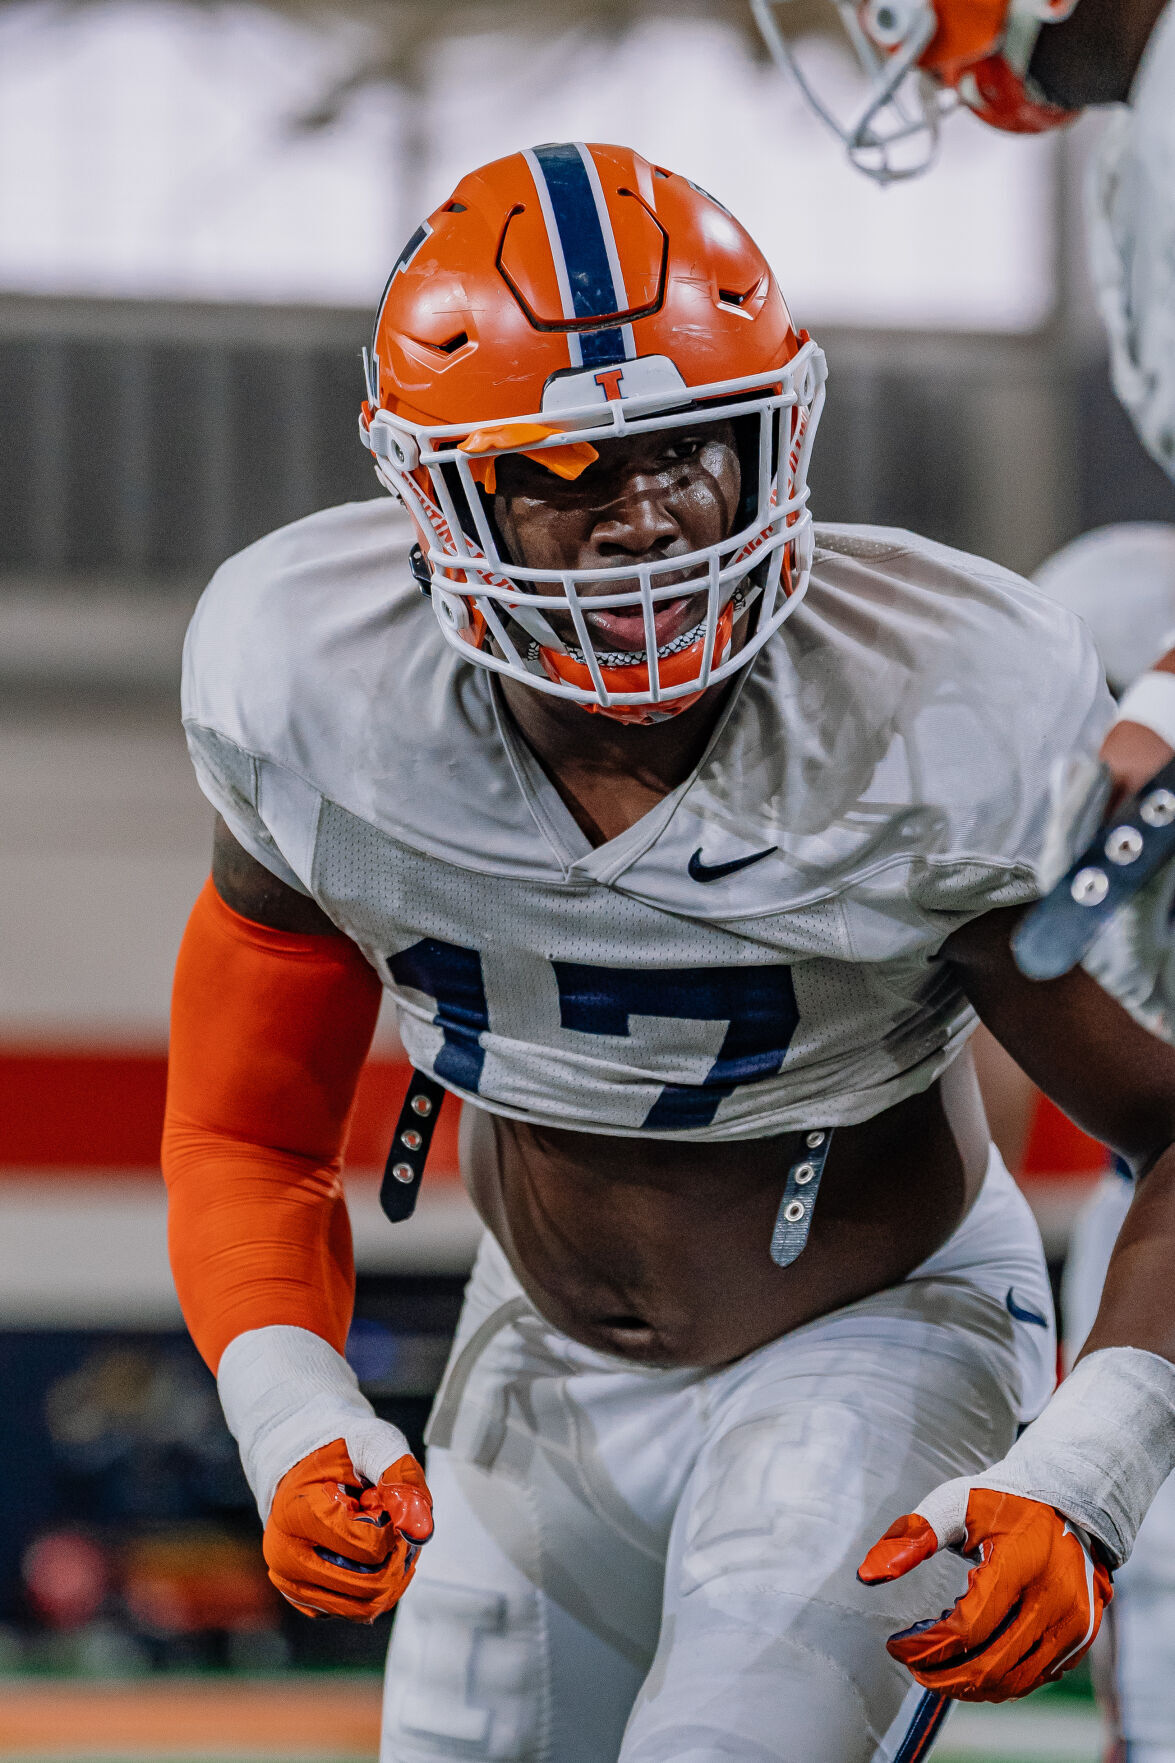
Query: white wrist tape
{"points": [[1099, 1453], [1151, 701], [286, 1392]]}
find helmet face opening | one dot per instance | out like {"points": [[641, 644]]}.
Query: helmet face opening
{"points": [[921, 59], [645, 373]]}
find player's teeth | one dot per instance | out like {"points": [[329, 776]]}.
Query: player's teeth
{"points": [[634, 657]]}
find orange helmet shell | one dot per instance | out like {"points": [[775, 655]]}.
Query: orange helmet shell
{"points": [[473, 324]]}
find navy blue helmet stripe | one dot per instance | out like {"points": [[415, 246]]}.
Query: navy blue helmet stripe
{"points": [[573, 204], [602, 348]]}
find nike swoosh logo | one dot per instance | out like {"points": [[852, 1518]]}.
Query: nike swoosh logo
{"points": [[1022, 1315], [708, 872]]}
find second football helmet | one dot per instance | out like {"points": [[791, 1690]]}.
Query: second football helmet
{"points": [[921, 58], [562, 298]]}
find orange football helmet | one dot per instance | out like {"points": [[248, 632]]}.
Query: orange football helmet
{"points": [[921, 58], [563, 297]]}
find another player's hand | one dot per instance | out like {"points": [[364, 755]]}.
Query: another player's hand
{"points": [[1133, 753], [338, 1546], [1033, 1603]]}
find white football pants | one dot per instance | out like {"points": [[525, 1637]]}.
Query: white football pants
{"points": [[1133, 1657], [659, 1566]]}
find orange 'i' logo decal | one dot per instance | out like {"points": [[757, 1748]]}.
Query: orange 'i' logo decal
{"points": [[610, 380]]}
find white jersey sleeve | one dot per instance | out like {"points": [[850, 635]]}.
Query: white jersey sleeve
{"points": [[241, 630], [1131, 211]]}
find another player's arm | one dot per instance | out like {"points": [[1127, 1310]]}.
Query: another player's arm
{"points": [[1065, 1503], [272, 1015], [1141, 740], [1083, 1049]]}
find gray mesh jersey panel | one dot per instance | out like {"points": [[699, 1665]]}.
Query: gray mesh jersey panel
{"points": [[885, 763]]}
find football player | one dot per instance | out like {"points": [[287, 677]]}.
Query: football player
{"points": [[1027, 66], [687, 839]]}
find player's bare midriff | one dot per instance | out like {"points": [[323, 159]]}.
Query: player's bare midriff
{"points": [[657, 1251]]}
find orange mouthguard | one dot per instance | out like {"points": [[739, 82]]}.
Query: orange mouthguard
{"points": [[567, 461]]}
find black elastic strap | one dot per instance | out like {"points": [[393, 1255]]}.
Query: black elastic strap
{"points": [[794, 1218], [404, 1169], [421, 573], [1132, 846]]}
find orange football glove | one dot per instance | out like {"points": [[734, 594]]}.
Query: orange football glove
{"points": [[1032, 1607], [336, 1546]]}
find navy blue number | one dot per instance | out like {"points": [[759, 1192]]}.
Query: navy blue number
{"points": [[758, 1004], [452, 975]]}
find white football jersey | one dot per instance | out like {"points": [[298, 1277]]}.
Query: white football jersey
{"points": [[757, 953], [1132, 245]]}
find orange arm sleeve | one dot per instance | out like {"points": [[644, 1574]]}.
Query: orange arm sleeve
{"points": [[269, 1031]]}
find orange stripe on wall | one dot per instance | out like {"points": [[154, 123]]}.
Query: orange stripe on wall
{"points": [[78, 1109]]}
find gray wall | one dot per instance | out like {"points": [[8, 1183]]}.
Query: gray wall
{"points": [[145, 442]]}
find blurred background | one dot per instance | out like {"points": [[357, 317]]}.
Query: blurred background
{"points": [[199, 204]]}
